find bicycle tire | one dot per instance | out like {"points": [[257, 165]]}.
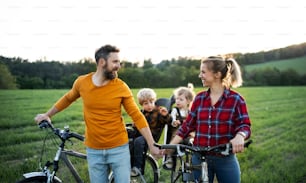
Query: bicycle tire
{"points": [[36, 179], [151, 167], [151, 172]]}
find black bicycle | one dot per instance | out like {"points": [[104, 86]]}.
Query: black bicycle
{"points": [[51, 169], [182, 169]]}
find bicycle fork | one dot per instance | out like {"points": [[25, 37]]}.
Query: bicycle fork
{"points": [[204, 172]]}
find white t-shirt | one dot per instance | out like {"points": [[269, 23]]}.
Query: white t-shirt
{"points": [[175, 114]]}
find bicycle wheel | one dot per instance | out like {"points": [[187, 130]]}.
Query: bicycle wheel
{"points": [[37, 179], [176, 171], [151, 172]]}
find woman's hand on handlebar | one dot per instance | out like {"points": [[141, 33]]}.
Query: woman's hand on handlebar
{"points": [[237, 144]]}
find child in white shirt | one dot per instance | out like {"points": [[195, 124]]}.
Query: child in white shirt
{"points": [[183, 99]]}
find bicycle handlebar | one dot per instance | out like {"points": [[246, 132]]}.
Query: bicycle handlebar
{"points": [[63, 134], [224, 149]]}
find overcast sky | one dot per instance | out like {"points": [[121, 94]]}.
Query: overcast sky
{"points": [[69, 30]]}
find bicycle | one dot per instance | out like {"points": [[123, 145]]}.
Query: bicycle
{"points": [[182, 164], [150, 172], [48, 173]]}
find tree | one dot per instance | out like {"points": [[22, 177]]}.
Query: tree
{"points": [[147, 64], [27, 82], [290, 77], [7, 81]]}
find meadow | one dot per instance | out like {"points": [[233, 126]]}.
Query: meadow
{"points": [[298, 64], [278, 116]]}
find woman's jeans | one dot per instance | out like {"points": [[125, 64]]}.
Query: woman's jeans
{"points": [[226, 168], [100, 162]]}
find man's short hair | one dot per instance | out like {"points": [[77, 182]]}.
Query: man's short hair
{"points": [[104, 52]]}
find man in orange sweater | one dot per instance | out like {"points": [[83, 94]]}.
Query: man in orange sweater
{"points": [[106, 139]]}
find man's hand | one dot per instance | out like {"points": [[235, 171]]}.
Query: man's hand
{"points": [[156, 152], [40, 117], [46, 116]]}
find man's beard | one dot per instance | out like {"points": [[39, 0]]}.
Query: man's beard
{"points": [[109, 74]]}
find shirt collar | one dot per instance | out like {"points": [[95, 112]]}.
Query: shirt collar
{"points": [[225, 94]]}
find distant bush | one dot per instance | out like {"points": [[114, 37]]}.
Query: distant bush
{"points": [[7, 81], [273, 77]]}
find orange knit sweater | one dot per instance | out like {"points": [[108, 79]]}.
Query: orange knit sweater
{"points": [[102, 106]]}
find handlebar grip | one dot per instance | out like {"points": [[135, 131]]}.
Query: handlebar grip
{"points": [[157, 145], [45, 124], [167, 146], [247, 143], [77, 136]]}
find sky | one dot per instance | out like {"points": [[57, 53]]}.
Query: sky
{"points": [[70, 30]]}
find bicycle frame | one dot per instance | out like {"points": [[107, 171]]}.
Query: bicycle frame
{"points": [[186, 168], [69, 164], [204, 171], [63, 155], [50, 169], [182, 161]]}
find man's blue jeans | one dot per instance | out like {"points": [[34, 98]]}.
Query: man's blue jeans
{"points": [[226, 169], [100, 162]]}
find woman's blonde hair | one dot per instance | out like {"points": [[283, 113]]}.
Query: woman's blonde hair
{"points": [[228, 67]]}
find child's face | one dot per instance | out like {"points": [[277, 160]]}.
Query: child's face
{"points": [[181, 101], [148, 105]]}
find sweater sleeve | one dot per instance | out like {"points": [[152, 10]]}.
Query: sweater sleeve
{"points": [[132, 109], [69, 97]]}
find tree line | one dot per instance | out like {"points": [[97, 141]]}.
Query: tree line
{"points": [[23, 74]]}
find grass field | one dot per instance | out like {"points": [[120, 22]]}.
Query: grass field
{"points": [[278, 117], [298, 64]]}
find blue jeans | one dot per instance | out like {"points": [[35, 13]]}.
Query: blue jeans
{"points": [[101, 161], [226, 169]]}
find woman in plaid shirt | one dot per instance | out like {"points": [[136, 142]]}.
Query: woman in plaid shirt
{"points": [[218, 115]]}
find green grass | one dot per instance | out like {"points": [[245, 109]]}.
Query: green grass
{"points": [[298, 64], [278, 118]]}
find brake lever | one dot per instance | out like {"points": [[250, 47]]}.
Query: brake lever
{"points": [[226, 151], [179, 152]]}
